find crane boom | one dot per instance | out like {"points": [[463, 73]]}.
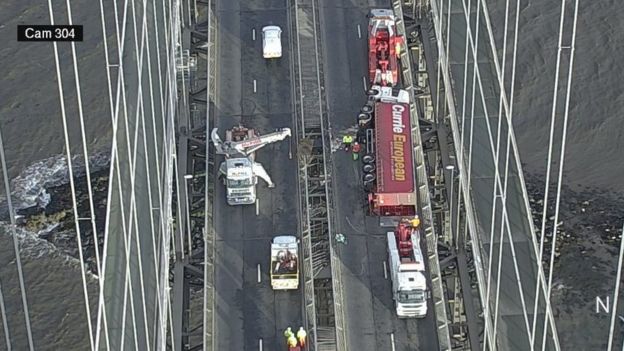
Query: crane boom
{"points": [[247, 146], [240, 172]]}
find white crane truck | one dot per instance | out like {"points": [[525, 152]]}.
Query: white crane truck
{"points": [[239, 170], [407, 270]]}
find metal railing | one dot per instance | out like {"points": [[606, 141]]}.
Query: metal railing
{"points": [[444, 340], [312, 124]]}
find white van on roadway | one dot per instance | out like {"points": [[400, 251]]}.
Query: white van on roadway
{"points": [[271, 42]]}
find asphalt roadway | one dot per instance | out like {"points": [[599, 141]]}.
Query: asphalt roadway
{"points": [[370, 316], [246, 310]]}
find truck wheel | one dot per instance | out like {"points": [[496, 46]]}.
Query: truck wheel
{"points": [[364, 118], [369, 177], [367, 109], [372, 92], [368, 158], [368, 168]]}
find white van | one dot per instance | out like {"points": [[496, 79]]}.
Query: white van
{"points": [[271, 42]]}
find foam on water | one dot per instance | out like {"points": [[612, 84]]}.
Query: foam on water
{"points": [[29, 187]]}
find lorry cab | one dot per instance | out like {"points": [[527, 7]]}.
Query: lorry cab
{"points": [[271, 42], [407, 270], [410, 294], [388, 94], [285, 263], [240, 181]]}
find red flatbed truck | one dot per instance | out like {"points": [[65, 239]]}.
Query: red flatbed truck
{"points": [[384, 48]]}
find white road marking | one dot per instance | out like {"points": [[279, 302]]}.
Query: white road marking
{"points": [[385, 270], [254, 85], [259, 276], [253, 34], [257, 206], [364, 82], [359, 32], [260, 344], [392, 341]]}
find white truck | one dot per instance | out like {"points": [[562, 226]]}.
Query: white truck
{"points": [[271, 42], [379, 94], [285, 263], [407, 270], [239, 170]]}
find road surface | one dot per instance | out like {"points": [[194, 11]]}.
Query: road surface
{"points": [[369, 309], [246, 310]]}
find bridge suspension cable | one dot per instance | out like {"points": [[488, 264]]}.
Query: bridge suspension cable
{"points": [[130, 211], [562, 151], [18, 261], [616, 295], [498, 183], [70, 165]]}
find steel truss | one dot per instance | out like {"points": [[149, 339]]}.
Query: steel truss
{"points": [[193, 268], [452, 284], [321, 269]]}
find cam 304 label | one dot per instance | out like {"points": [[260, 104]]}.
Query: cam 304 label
{"points": [[49, 33]]}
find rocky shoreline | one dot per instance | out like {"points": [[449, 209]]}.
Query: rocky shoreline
{"points": [[56, 223]]}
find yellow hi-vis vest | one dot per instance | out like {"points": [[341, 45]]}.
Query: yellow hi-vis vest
{"points": [[288, 333], [301, 334], [292, 341]]}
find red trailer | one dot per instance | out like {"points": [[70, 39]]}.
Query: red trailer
{"points": [[393, 193]]}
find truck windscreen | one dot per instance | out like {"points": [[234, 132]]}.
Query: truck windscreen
{"points": [[412, 296], [242, 183]]}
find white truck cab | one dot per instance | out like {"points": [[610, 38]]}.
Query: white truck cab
{"points": [[388, 94], [240, 181], [410, 295], [407, 272], [271, 42]]}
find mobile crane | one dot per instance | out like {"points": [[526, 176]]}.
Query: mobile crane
{"points": [[239, 170]]}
